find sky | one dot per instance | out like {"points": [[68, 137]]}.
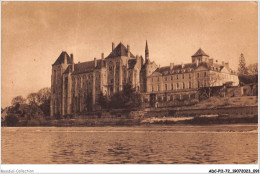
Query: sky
{"points": [[35, 33]]}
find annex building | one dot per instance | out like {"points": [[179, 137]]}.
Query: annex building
{"points": [[72, 84]]}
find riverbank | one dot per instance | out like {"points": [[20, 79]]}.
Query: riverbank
{"points": [[96, 122], [230, 110]]}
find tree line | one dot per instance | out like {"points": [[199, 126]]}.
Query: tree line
{"points": [[247, 74], [34, 106]]}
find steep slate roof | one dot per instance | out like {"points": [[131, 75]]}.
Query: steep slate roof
{"points": [[189, 66], [163, 69], [200, 52], [68, 69], [61, 58], [120, 50], [84, 67]]}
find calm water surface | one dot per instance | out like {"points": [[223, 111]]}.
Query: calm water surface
{"points": [[219, 144]]}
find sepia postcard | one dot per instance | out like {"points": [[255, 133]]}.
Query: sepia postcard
{"points": [[166, 82]]}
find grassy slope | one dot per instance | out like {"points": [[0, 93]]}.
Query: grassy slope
{"points": [[218, 102]]}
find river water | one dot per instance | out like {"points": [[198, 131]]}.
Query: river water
{"points": [[216, 144]]}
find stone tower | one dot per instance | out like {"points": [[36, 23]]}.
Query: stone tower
{"points": [[199, 56], [147, 69], [58, 68]]}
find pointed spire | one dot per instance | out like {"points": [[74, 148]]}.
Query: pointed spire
{"points": [[146, 52], [146, 47]]}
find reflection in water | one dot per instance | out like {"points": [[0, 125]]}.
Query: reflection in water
{"points": [[221, 144]]}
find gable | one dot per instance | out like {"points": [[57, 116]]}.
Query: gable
{"points": [[225, 70], [120, 50], [155, 74]]}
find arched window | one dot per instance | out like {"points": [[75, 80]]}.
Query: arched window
{"points": [[111, 66]]}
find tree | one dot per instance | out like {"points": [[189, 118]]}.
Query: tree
{"points": [[213, 79], [128, 98], [242, 69], [89, 102], [11, 120], [33, 98], [102, 101], [44, 95], [45, 100], [253, 69], [18, 100]]}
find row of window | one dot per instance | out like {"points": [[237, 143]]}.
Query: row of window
{"points": [[182, 76], [179, 76], [172, 97], [170, 77], [172, 86]]}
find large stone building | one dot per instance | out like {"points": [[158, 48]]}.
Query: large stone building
{"points": [[74, 85]]}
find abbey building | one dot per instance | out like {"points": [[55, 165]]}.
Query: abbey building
{"points": [[73, 85]]}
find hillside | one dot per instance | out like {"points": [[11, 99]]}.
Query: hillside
{"points": [[218, 102]]}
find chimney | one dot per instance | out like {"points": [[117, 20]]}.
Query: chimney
{"points": [[95, 62], [197, 62], [211, 62], [182, 65], [71, 56], [128, 50], [226, 64], [171, 66], [102, 56], [72, 59], [113, 46]]}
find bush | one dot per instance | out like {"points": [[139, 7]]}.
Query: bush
{"points": [[11, 120], [33, 122]]}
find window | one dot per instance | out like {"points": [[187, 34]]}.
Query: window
{"points": [[177, 85], [117, 65], [189, 76], [158, 88], [165, 87], [189, 84], [198, 84], [171, 77], [198, 74], [182, 76], [152, 88], [171, 86], [205, 74], [55, 77], [177, 77], [183, 85]]}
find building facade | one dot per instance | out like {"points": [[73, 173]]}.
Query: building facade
{"points": [[73, 86]]}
